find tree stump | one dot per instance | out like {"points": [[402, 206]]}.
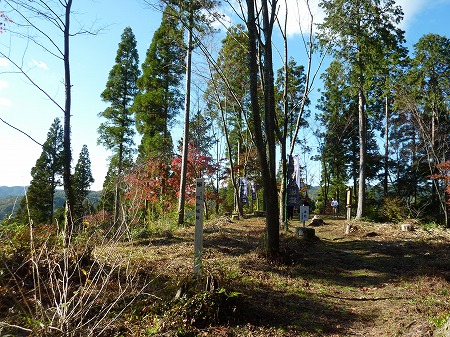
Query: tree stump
{"points": [[305, 232]]}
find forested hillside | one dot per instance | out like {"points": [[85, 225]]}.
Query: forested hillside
{"points": [[10, 198], [11, 191]]}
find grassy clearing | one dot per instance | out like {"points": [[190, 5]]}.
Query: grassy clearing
{"points": [[375, 281]]}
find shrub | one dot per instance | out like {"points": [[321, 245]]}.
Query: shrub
{"points": [[201, 309], [394, 209]]}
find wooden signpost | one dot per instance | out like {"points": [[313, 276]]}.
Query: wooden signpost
{"points": [[198, 235]]}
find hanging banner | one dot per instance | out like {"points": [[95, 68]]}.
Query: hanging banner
{"points": [[290, 167], [253, 188], [244, 190], [293, 194], [296, 170]]}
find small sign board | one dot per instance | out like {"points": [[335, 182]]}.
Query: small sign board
{"points": [[304, 213]]}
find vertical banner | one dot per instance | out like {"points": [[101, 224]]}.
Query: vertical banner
{"points": [[198, 235], [293, 194], [253, 187], [244, 190], [297, 169], [290, 168]]}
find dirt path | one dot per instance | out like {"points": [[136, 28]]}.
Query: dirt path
{"points": [[376, 281]]}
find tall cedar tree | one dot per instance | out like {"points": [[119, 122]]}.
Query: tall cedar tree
{"points": [[160, 99], [200, 133], [289, 98], [46, 176], [227, 99], [195, 16], [431, 73], [260, 47], [425, 97], [359, 32], [337, 134], [82, 181], [117, 132]]}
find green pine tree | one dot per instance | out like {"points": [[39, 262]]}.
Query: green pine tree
{"points": [[117, 132], [360, 32], [160, 99], [339, 132], [82, 181], [37, 205], [227, 97]]}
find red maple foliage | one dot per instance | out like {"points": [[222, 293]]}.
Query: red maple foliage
{"points": [[444, 175], [3, 19], [146, 183], [199, 166], [157, 182]]}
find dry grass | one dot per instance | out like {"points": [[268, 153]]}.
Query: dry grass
{"points": [[375, 281]]}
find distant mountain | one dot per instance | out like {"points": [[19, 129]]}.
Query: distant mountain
{"points": [[13, 191], [10, 198], [313, 192]]}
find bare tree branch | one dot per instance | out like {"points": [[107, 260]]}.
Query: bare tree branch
{"points": [[26, 134], [24, 73]]}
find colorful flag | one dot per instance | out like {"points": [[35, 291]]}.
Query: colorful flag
{"points": [[244, 190], [296, 160], [253, 188]]}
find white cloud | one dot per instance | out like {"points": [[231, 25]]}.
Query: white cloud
{"points": [[224, 22], [3, 84], [5, 102], [411, 8], [299, 17], [4, 62], [40, 64]]}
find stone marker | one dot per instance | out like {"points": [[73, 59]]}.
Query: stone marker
{"points": [[406, 227]]}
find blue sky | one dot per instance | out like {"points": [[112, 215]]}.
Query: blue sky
{"points": [[92, 57]]}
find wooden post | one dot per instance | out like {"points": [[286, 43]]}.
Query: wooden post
{"points": [[349, 204], [198, 236]]}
